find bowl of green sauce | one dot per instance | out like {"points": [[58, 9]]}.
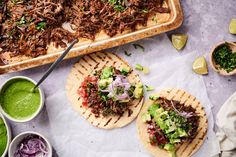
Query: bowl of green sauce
{"points": [[5, 136], [18, 101]]}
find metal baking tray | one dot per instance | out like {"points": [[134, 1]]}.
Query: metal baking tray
{"points": [[175, 19]]}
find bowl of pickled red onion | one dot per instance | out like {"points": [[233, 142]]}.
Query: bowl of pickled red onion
{"points": [[30, 144]]}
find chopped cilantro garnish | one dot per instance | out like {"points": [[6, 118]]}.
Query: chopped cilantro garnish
{"points": [[119, 8], [145, 10], [22, 21], [136, 46], [225, 58], [127, 53], [112, 1], [41, 25]]}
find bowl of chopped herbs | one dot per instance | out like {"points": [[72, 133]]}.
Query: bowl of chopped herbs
{"points": [[223, 58]]}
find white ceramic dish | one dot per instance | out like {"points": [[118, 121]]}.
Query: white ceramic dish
{"points": [[8, 135], [40, 106], [15, 142]]}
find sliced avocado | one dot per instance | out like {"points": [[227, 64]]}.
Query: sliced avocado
{"points": [[125, 71], [103, 83], [171, 129], [164, 115], [160, 123], [146, 117], [169, 147], [153, 97], [152, 109], [107, 72], [138, 91], [160, 111], [174, 135], [181, 132], [174, 141], [139, 67]]}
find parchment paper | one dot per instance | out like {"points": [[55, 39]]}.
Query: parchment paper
{"points": [[72, 136]]}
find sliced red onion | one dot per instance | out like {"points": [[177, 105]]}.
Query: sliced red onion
{"points": [[120, 81], [31, 147], [183, 114]]}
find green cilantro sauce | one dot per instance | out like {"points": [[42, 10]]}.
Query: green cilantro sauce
{"points": [[18, 100], [3, 136]]}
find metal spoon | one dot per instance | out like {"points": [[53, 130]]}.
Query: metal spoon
{"points": [[52, 67]]}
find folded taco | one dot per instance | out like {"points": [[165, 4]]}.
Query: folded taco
{"points": [[104, 89], [172, 123]]}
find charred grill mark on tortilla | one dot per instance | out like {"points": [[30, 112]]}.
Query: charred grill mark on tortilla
{"points": [[101, 58], [90, 57], [83, 67], [89, 116], [85, 60], [138, 103], [117, 120], [108, 122], [96, 66]]}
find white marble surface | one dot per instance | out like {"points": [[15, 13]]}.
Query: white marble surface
{"points": [[206, 23]]}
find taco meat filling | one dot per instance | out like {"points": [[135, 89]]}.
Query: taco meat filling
{"points": [[27, 27], [109, 92], [170, 123]]}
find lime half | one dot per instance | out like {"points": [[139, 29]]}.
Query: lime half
{"points": [[200, 66], [232, 26], [179, 40]]}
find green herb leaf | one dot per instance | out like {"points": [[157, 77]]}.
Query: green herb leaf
{"points": [[136, 46], [119, 8], [145, 10], [127, 53], [41, 25]]}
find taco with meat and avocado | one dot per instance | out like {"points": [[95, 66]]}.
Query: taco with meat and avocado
{"points": [[105, 90], [172, 123]]}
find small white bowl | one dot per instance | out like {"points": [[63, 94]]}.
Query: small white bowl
{"points": [[15, 142], [8, 135], [42, 99]]}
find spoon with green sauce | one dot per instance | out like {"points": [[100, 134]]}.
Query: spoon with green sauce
{"points": [[52, 67]]}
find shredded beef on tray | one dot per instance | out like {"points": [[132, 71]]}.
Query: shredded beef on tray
{"points": [[29, 26]]}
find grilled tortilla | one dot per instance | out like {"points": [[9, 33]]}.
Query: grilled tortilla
{"points": [[186, 149], [87, 66]]}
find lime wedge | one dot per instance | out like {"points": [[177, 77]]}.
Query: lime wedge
{"points": [[232, 26], [200, 66], [179, 40]]}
